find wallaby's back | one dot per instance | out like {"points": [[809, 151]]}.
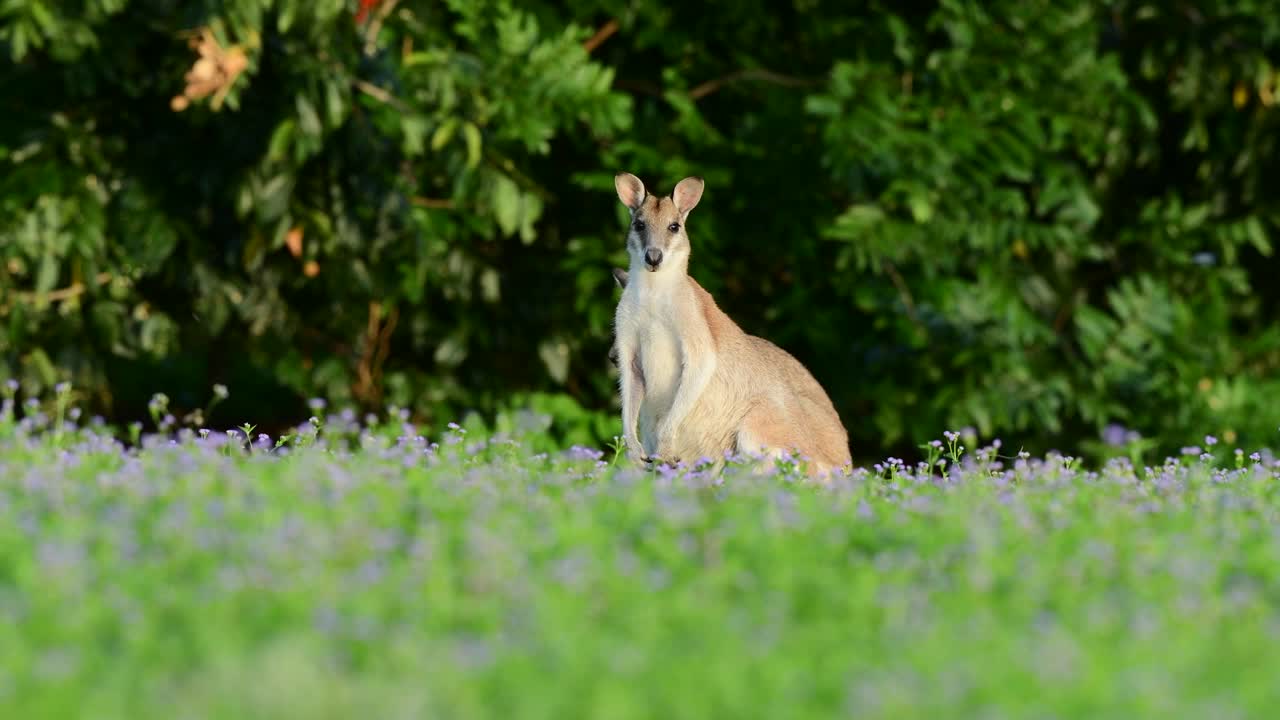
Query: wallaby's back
{"points": [[774, 402]]}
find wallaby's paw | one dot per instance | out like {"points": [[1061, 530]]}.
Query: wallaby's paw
{"points": [[659, 460]]}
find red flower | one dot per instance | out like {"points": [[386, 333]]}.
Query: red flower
{"points": [[365, 6]]}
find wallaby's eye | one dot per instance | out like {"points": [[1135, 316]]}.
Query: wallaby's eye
{"points": [[638, 225], [674, 227]]}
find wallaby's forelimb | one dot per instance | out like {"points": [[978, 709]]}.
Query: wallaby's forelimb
{"points": [[698, 365], [631, 378], [632, 387]]}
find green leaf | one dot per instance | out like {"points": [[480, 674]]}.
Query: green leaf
{"points": [[334, 105], [287, 12], [921, 208], [414, 129], [443, 133], [1258, 236], [555, 356], [47, 274], [281, 137], [42, 17], [308, 120], [506, 204], [472, 135]]}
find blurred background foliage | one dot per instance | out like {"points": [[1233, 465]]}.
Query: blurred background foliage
{"points": [[1037, 219]]}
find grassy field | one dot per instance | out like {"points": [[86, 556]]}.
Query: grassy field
{"points": [[357, 571]]}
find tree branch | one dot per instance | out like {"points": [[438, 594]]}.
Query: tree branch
{"points": [[432, 203], [604, 33], [639, 86], [66, 293], [379, 94], [904, 293], [711, 86], [375, 27]]}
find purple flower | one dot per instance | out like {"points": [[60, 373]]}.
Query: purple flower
{"points": [[11, 385], [316, 404], [951, 436], [578, 452], [1115, 435], [1191, 450], [1210, 440]]}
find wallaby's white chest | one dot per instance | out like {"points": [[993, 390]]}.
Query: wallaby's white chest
{"points": [[651, 324]]}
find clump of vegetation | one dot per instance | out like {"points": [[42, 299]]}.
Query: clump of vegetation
{"points": [[1035, 218], [361, 567]]}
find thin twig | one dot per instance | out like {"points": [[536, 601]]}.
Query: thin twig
{"points": [[432, 203], [604, 33], [384, 343], [904, 293], [66, 293], [711, 86], [379, 94], [375, 26], [639, 86], [364, 371]]}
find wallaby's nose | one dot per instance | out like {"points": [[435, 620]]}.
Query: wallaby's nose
{"points": [[653, 256]]}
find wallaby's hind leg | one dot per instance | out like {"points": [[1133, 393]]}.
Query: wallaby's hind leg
{"points": [[765, 433], [762, 434]]}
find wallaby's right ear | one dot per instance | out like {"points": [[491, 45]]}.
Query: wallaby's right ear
{"points": [[630, 189], [620, 277]]}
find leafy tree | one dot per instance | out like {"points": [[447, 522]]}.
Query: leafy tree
{"points": [[1035, 218]]}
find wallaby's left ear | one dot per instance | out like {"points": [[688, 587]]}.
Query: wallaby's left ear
{"points": [[687, 194], [620, 277]]}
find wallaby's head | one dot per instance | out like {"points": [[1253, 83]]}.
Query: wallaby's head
{"points": [[657, 235]]}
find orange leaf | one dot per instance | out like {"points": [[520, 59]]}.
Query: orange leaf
{"points": [[293, 241]]}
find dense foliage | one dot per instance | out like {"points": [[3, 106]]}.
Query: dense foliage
{"points": [[1035, 218], [368, 571]]}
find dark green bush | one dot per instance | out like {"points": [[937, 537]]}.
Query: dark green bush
{"points": [[1034, 218]]}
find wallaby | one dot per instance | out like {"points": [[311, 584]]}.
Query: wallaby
{"points": [[693, 383]]}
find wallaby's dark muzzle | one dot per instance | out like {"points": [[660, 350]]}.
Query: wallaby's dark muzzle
{"points": [[653, 258]]}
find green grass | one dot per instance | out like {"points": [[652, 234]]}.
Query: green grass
{"points": [[358, 575]]}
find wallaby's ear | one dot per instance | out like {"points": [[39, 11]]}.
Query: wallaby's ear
{"points": [[630, 189], [620, 277], [687, 194]]}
